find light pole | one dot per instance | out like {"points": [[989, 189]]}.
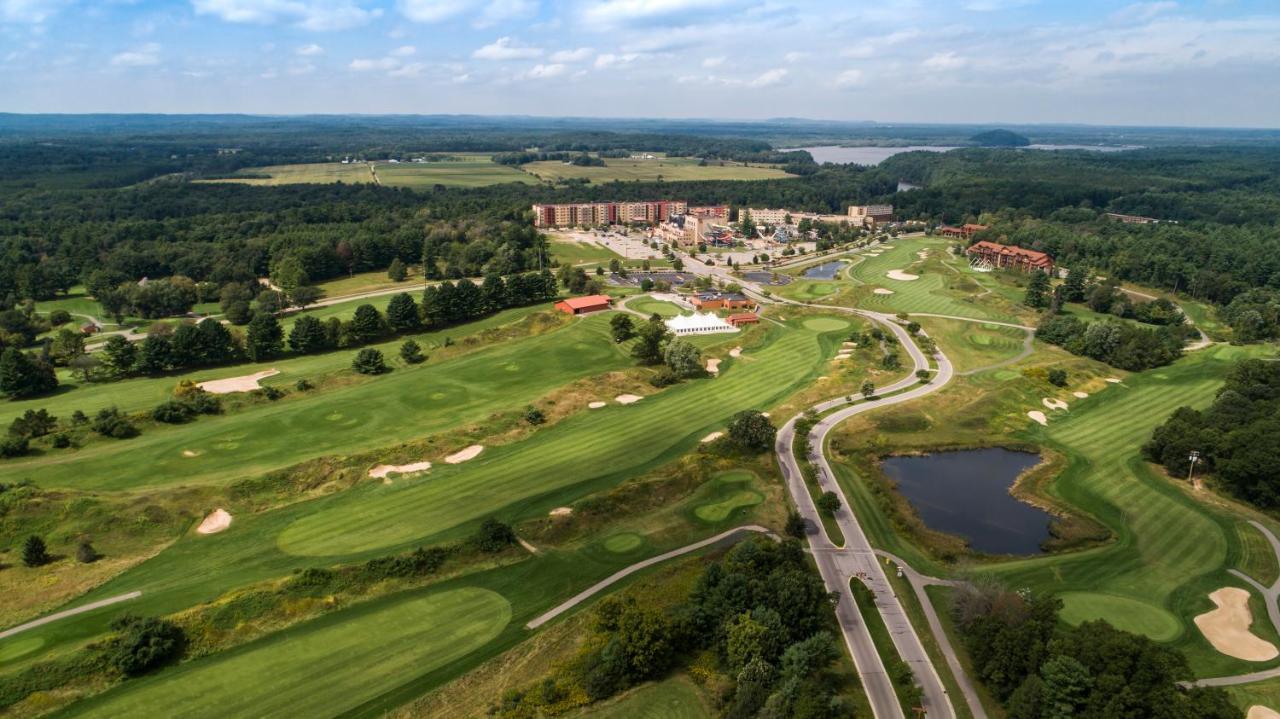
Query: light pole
{"points": [[1194, 457]]}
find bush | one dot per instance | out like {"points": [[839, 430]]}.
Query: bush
{"points": [[145, 643], [86, 554], [534, 416], [664, 377], [411, 352], [34, 552], [1058, 377], [271, 393], [110, 423], [172, 412], [303, 385], [369, 361], [14, 446], [494, 536], [752, 431], [61, 440], [57, 318]]}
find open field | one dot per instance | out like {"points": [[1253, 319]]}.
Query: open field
{"points": [[312, 173], [465, 171], [369, 282], [568, 252], [972, 345], [662, 168], [674, 698]]}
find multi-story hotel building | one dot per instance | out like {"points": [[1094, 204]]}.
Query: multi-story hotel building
{"points": [[871, 214], [599, 214]]}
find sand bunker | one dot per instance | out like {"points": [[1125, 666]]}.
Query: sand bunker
{"points": [[217, 521], [1227, 627], [848, 344], [383, 470], [1080, 395], [190, 453], [1054, 403], [247, 383], [627, 398], [881, 291], [597, 405], [1114, 380], [462, 456], [900, 275], [712, 437], [843, 356], [1038, 416], [1257, 711], [735, 352], [713, 366], [561, 511]]}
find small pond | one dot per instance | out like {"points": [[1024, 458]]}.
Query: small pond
{"points": [[824, 271], [967, 494], [767, 278]]}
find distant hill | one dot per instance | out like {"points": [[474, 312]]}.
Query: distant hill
{"points": [[999, 138]]}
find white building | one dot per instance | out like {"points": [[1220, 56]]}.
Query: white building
{"points": [[698, 323]]}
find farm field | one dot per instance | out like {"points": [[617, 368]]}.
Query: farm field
{"points": [[311, 173], [363, 415], [467, 171], [662, 168]]}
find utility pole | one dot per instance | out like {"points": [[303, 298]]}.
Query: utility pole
{"points": [[1194, 457]]}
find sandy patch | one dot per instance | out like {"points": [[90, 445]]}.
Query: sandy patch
{"points": [[190, 453], [881, 291], [713, 366], [383, 470], [735, 352], [1227, 627], [900, 275], [843, 356], [1054, 403], [1080, 395], [1038, 416], [712, 437], [218, 520], [1114, 380], [247, 383], [848, 344], [923, 254], [627, 398], [527, 546], [561, 511], [1257, 711], [469, 453], [597, 405], [764, 414]]}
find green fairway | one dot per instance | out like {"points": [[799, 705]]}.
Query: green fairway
{"points": [[321, 668], [675, 698], [808, 290], [409, 402], [662, 168], [945, 286], [1131, 615], [825, 324], [614, 441], [970, 345], [623, 543]]}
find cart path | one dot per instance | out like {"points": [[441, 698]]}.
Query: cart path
{"points": [[621, 574], [69, 613]]}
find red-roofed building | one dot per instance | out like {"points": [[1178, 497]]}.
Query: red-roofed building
{"points": [[583, 305], [739, 319], [998, 255], [964, 231]]}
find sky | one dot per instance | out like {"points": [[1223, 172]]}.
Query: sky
{"points": [[1164, 62]]}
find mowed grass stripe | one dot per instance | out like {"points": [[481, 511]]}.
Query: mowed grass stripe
{"points": [[575, 451], [319, 669]]}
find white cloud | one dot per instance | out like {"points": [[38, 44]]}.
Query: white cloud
{"points": [[944, 61], [404, 51], [143, 56], [541, 71], [850, 78], [433, 10], [412, 69], [309, 50], [714, 61], [612, 13], [609, 59], [768, 78], [364, 64], [1144, 11], [31, 12], [577, 55], [504, 48], [317, 15], [995, 5], [499, 11]]}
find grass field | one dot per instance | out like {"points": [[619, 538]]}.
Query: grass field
{"points": [[972, 345], [665, 168], [369, 282], [650, 306], [945, 286], [568, 252], [674, 698], [277, 677], [463, 171]]}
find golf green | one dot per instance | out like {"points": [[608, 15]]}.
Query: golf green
{"points": [[825, 324], [322, 668], [1130, 615], [623, 543], [719, 511]]}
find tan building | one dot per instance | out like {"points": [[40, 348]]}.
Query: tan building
{"points": [[599, 214], [871, 214], [766, 216]]}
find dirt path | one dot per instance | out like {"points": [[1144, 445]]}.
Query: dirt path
{"points": [[621, 574], [69, 613]]}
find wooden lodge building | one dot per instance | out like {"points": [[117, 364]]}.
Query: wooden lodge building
{"points": [[963, 232], [994, 254]]}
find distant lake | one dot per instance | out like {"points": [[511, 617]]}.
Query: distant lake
{"points": [[967, 494], [875, 155]]}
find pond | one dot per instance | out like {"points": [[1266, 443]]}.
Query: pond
{"points": [[967, 494], [824, 271]]}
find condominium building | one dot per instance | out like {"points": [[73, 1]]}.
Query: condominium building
{"points": [[599, 214], [871, 214]]}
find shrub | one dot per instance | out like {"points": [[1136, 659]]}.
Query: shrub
{"points": [[1058, 377], [33, 423], [145, 643], [14, 446], [34, 552], [752, 431], [61, 440], [494, 536], [271, 393], [110, 423], [411, 352], [369, 361], [57, 318], [86, 554], [534, 416], [664, 377], [303, 385], [172, 412]]}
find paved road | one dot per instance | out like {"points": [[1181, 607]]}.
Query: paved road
{"points": [[619, 575], [69, 613]]}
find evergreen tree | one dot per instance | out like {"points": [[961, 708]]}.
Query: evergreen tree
{"points": [[25, 376], [118, 357], [493, 294], [468, 301], [396, 272], [432, 309], [308, 336], [369, 361], [1037, 291], [411, 352], [216, 345], [1076, 288], [184, 346], [366, 325], [402, 313], [264, 339], [34, 552]]}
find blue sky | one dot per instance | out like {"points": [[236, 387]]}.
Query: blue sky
{"points": [[1214, 62]]}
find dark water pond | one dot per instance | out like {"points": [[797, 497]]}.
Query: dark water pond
{"points": [[824, 271], [967, 494]]}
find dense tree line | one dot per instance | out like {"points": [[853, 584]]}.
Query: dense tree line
{"points": [[1236, 436], [1040, 669], [1118, 344]]}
